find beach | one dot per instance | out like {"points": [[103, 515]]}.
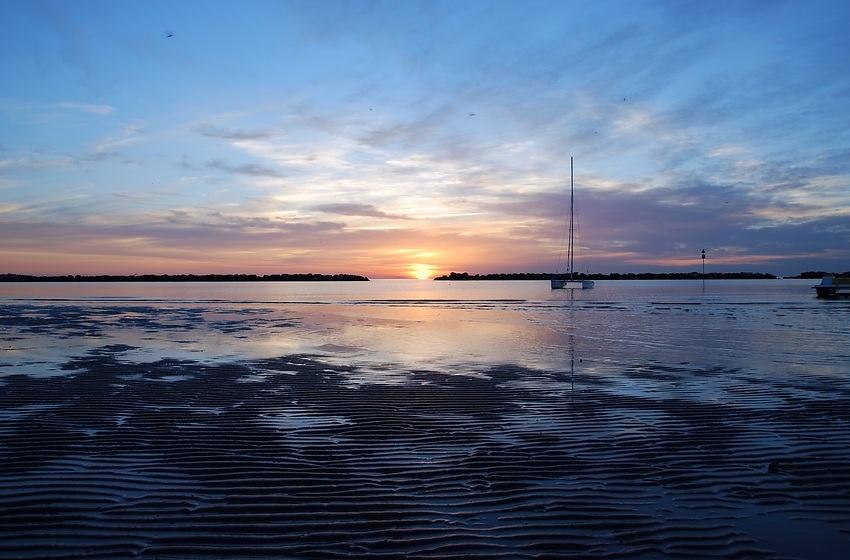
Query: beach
{"points": [[139, 430]]}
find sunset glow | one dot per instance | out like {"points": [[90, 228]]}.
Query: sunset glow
{"points": [[411, 139], [422, 271]]}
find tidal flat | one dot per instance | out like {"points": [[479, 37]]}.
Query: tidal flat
{"points": [[197, 429]]}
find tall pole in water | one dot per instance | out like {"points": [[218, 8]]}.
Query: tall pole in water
{"points": [[703, 264]]}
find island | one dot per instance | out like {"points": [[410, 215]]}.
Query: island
{"points": [[187, 278]]}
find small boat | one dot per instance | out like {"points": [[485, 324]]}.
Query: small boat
{"points": [[831, 287], [571, 281]]}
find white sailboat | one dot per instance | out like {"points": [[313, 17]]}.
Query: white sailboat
{"points": [[571, 281]]}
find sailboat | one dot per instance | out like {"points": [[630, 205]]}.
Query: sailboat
{"points": [[571, 282]]}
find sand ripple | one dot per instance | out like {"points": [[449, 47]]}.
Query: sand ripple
{"points": [[290, 458]]}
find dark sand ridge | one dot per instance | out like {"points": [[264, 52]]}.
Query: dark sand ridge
{"points": [[294, 457]]}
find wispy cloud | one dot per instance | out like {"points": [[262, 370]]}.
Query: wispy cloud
{"points": [[367, 210], [95, 109], [236, 135], [33, 163], [129, 134], [250, 169]]}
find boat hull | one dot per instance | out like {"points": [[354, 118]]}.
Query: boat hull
{"points": [[564, 284], [831, 288]]}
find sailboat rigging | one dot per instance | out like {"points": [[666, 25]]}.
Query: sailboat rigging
{"points": [[571, 281]]}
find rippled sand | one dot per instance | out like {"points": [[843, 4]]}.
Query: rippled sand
{"points": [[296, 457]]}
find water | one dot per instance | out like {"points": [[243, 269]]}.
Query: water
{"points": [[640, 419], [387, 327]]}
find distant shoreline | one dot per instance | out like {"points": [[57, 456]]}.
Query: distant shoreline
{"points": [[614, 276], [459, 276], [187, 278]]}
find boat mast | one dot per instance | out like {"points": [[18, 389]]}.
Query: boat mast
{"points": [[570, 240]]}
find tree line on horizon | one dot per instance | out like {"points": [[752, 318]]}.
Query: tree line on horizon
{"points": [[633, 276], [311, 277], [314, 277], [818, 274]]}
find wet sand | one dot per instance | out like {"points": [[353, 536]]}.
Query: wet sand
{"points": [[297, 457]]}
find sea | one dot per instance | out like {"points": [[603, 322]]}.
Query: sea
{"points": [[386, 328]]}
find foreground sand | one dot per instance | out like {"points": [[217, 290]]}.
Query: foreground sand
{"points": [[293, 457]]}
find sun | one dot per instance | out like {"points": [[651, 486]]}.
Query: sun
{"points": [[421, 271]]}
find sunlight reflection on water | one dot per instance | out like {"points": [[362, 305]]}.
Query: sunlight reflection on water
{"points": [[774, 326]]}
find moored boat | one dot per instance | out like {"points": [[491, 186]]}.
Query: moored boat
{"points": [[831, 287], [571, 281]]}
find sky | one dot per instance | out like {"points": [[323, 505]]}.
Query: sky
{"points": [[403, 138]]}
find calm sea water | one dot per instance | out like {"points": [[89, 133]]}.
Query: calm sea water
{"points": [[774, 327]]}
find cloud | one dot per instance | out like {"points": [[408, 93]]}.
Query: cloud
{"points": [[367, 210], [250, 169], [414, 133], [10, 208], [31, 163], [95, 109], [130, 133], [236, 135]]}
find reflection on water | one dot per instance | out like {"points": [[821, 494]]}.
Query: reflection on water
{"points": [[767, 326]]}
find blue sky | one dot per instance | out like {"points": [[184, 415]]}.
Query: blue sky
{"points": [[405, 138]]}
